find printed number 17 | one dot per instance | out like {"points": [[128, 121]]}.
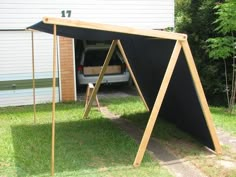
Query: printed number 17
{"points": [[65, 13]]}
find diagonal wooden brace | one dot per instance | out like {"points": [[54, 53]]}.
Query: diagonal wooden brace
{"points": [[98, 83], [157, 105], [201, 95]]}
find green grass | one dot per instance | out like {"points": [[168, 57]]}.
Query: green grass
{"points": [[224, 120], [176, 141], [132, 109], [84, 147], [130, 106]]}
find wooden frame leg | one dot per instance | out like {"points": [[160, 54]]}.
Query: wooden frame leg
{"points": [[98, 104], [102, 72], [89, 91], [201, 95], [53, 96], [131, 73], [33, 75], [157, 104]]}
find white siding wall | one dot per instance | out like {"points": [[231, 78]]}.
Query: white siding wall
{"points": [[16, 64], [15, 46], [16, 53], [152, 14]]}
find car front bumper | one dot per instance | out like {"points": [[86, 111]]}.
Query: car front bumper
{"points": [[117, 78]]}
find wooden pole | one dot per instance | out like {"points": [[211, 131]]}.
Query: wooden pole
{"points": [[33, 75], [98, 83], [53, 95], [157, 104], [131, 73], [201, 96]]}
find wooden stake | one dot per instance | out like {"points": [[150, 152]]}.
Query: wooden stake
{"points": [[131, 73], [33, 75], [157, 104], [98, 83], [201, 96], [53, 95]]}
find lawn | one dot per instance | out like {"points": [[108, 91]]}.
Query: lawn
{"points": [[224, 120], [84, 147], [179, 143], [221, 117]]}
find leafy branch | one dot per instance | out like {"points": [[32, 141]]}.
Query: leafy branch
{"points": [[224, 45]]}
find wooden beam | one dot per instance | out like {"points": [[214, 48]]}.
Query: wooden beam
{"points": [[33, 75], [114, 28], [53, 96], [157, 104], [98, 83], [201, 95], [131, 73]]}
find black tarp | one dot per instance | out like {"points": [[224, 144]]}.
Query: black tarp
{"points": [[148, 59]]}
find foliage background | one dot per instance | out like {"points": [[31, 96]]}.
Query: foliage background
{"points": [[196, 18]]}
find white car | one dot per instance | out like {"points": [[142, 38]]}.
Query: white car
{"points": [[90, 59]]}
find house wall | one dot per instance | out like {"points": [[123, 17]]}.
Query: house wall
{"points": [[15, 44], [151, 14]]}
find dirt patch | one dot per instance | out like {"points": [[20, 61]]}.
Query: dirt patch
{"points": [[227, 164], [227, 139]]}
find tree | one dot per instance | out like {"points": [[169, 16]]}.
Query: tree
{"points": [[195, 18], [182, 18], [223, 46]]}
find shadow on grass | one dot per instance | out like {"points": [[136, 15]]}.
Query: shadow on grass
{"points": [[84, 144], [168, 133], [162, 130]]}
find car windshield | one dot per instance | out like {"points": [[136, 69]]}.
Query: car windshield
{"points": [[97, 58]]}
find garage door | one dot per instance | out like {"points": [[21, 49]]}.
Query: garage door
{"points": [[16, 68]]}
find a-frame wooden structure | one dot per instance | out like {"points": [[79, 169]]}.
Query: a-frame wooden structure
{"points": [[161, 93], [181, 43]]}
